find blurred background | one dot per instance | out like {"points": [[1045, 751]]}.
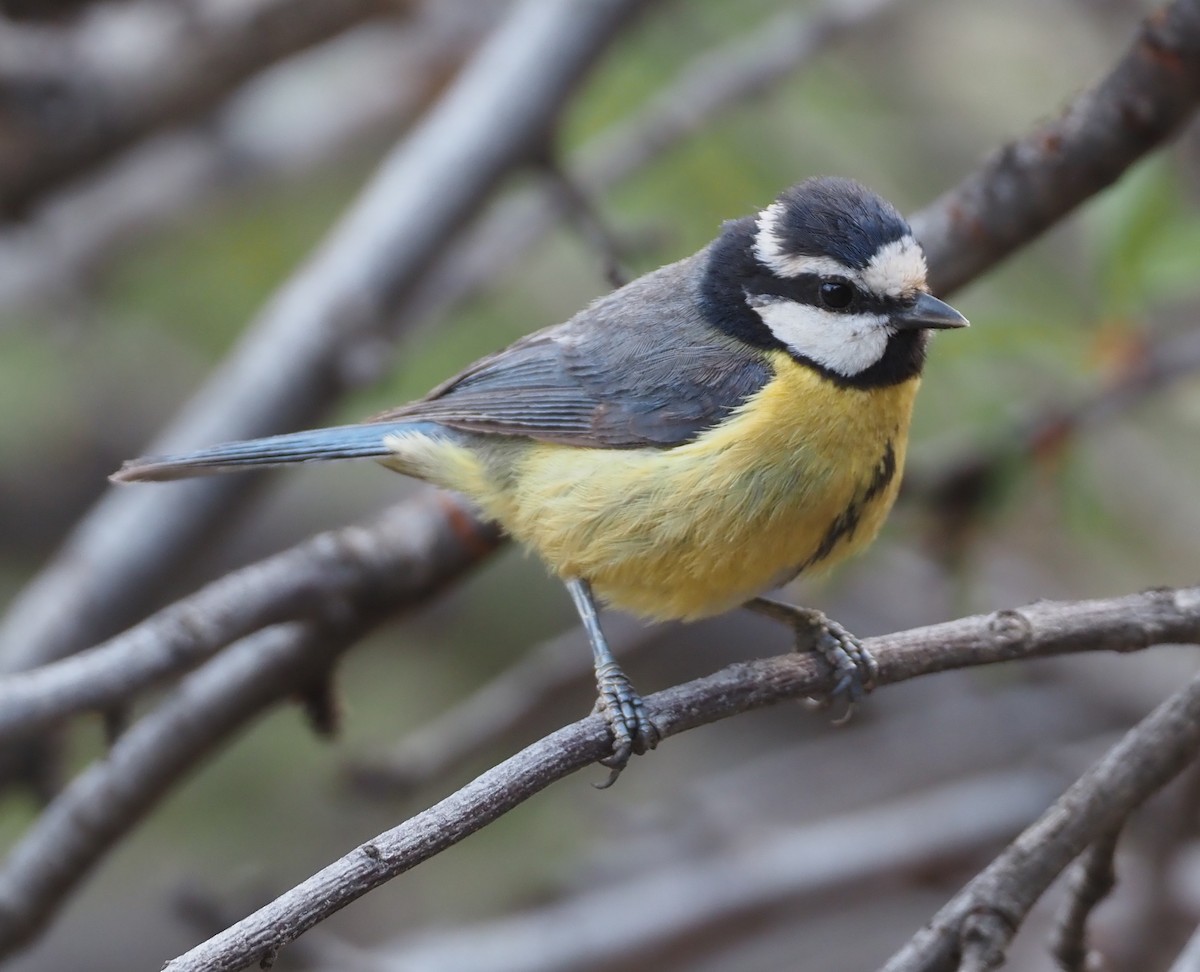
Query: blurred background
{"points": [[1053, 455]]}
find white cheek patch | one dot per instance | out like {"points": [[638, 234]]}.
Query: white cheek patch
{"points": [[845, 343], [897, 269]]}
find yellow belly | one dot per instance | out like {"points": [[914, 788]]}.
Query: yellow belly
{"points": [[802, 475]]}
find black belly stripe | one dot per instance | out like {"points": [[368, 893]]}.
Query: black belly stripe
{"points": [[846, 522]]}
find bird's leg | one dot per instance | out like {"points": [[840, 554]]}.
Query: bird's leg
{"points": [[853, 665], [632, 730]]}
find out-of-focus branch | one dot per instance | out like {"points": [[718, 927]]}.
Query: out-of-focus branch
{"points": [[83, 822], [75, 233], [711, 84], [1093, 879], [959, 492], [974, 928], [1189, 958], [41, 9], [579, 206], [398, 70], [110, 796], [315, 578], [308, 343], [103, 595], [955, 255], [514, 697], [74, 97], [860, 852], [1032, 183], [1046, 628]]}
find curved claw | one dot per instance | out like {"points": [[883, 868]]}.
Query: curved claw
{"points": [[854, 666], [633, 732], [855, 669]]}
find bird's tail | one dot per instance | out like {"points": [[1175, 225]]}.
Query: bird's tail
{"points": [[365, 441]]}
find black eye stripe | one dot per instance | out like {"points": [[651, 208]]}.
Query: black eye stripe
{"points": [[806, 289]]}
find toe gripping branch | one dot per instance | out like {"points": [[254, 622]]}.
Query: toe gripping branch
{"points": [[632, 731], [855, 669]]}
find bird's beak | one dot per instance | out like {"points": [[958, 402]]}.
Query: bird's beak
{"points": [[928, 312]]}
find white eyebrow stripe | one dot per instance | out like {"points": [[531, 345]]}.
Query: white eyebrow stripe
{"points": [[897, 269], [768, 250]]}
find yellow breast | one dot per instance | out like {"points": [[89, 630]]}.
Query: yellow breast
{"points": [[801, 475]]}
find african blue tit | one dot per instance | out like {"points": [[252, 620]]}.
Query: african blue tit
{"points": [[690, 441]]}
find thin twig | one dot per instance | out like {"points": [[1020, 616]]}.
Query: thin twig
{"points": [[863, 852], [959, 491], [1093, 879], [315, 578], [1189, 958], [711, 84], [100, 805], [982, 918], [206, 910], [98, 100], [491, 714], [1032, 183], [1045, 628], [306, 347], [576, 202], [69, 239]]}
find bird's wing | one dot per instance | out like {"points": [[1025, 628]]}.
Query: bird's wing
{"points": [[640, 367]]}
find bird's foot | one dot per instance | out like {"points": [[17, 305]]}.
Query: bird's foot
{"points": [[633, 732], [855, 669], [853, 666]]}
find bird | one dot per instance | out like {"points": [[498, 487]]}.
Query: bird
{"points": [[689, 442]]}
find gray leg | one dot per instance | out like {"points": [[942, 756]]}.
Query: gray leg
{"points": [[853, 665], [632, 730]]}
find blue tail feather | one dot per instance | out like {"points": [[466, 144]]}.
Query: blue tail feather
{"points": [[365, 441]]}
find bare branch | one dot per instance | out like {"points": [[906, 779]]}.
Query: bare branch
{"points": [[399, 69], [1032, 183], [1189, 958], [313, 579], [100, 805], [711, 84], [1045, 628], [514, 697], [310, 341], [72, 101], [865, 851], [207, 910], [959, 491], [1093, 879], [982, 918], [576, 202], [104, 801]]}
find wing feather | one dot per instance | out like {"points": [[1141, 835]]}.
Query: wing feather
{"points": [[640, 367]]}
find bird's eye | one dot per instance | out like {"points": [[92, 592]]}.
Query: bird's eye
{"points": [[836, 294]]}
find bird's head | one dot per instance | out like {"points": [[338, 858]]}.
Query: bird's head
{"points": [[831, 273]]}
